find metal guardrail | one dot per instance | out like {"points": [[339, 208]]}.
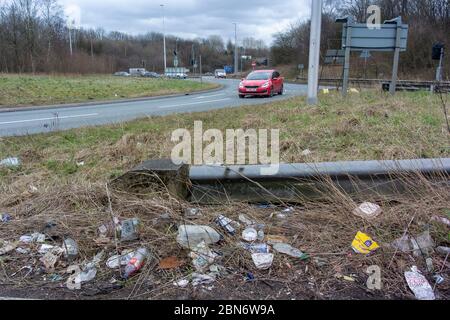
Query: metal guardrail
{"points": [[402, 85], [293, 183], [299, 182]]}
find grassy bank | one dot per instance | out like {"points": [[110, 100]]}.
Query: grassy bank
{"points": [[53, 185], [27, 90], [365, 126]]}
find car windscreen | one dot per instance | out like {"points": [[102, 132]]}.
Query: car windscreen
{"points": [[259, 76]]}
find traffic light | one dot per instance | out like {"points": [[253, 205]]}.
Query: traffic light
{"points": [[437, 49]]}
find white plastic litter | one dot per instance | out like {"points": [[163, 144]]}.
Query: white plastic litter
{"points": [[190, 236], [202, 257], [289, 250], [35, 237], [201, 279], [116, 261], [419, 285], [10, 162], [368, 211], [246, 220], [250, 235], [263, 261], [181, 283]]}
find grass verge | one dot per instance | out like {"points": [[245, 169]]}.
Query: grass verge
{"points": [[26, 90]]}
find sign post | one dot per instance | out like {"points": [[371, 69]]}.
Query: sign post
{"points": [[392, 36], [398, 39]]}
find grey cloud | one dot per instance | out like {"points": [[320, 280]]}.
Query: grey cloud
{"points": [[193, 18]]}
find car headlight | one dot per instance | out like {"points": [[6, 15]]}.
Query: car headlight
{"points": [[265, 85], [241, 85]]}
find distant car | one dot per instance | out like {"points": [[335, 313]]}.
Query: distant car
{"points": [[262, 83], [177, 75], [220, 73], [151, 75], [209, 74], [122, 74]]}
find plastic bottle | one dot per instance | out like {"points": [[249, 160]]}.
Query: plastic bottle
{"points": [[136, 263], [189, 236]]}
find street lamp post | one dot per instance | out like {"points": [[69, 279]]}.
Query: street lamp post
{"points": [[164, 38], [314, 51], [236, 60]]}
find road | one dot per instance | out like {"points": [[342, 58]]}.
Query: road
{"points": [[19, 123]]}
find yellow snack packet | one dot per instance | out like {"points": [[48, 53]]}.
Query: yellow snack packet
{"points": [[364, 244]]}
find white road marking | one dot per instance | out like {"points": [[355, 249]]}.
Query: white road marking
{"points": [[53, 118], [214, 95], [192, 103]]}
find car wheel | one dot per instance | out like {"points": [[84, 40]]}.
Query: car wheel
{"points": [[281, 91], [271, 93], [241, 96]]}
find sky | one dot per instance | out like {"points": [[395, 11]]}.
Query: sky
{"points": [[190, 19]]}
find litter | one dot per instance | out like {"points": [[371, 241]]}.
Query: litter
{"points": [[326, 91], [320, 262], [4, 217], [202, 279], [249, 277], [353, 90], [419, 285], [250, 235], [109, 229], [263, 261], [23, 251], [368, 211], [10, 162], [226, 224], [364, 244], [429, 263], [45, 248], [116, 261], [190, 236], [202, 257], [246, 220], [70, 248], [129, 230], [192, 213], [438, 279], [49, 260], [403, 244], [443, 250], [276, 239], [422, 244], [7, 247], [261, 235], [289, 250], [285, 213], [441, 220], [170, 263], [255, 248], [306, 153], [35, 237], [136, 263], [347, 278], [74, 281], [80, 164], [181, 283]]}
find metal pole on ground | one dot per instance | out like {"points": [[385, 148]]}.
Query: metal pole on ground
{"points": [[314, 51]]}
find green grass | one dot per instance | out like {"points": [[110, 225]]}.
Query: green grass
{"points": [[27, 90], [370, 125]]}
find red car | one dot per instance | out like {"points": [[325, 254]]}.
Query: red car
{"points": [[262, 83]]}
